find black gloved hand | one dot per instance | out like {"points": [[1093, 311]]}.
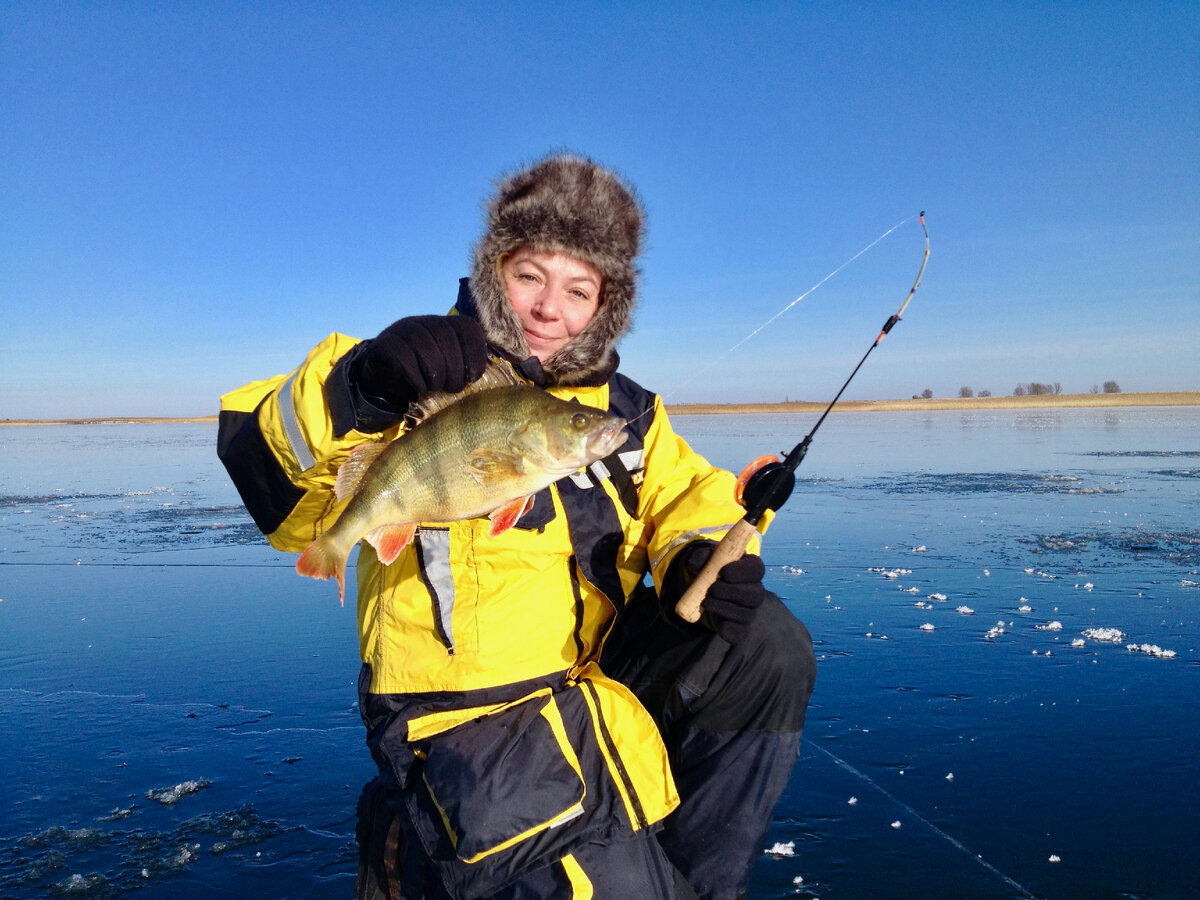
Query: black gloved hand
{"points": [[419, 355], [733, 599]]}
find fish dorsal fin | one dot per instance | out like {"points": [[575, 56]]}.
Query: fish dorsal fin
{"points": [[350, 473], [498, 373]]}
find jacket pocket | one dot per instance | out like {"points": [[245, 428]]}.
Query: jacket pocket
{"points": [[502, 780]]}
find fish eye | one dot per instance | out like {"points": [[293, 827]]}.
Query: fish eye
{"points": [[579, 421]]}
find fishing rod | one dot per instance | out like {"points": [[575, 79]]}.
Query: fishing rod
{"points": [[767, 482]]}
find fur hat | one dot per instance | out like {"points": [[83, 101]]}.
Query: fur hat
{"points": [[562, 204]]}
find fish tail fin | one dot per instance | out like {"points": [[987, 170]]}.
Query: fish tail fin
{"points": [[321, 559]]}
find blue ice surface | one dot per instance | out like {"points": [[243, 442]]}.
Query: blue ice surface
{"points": [[178, 709]]}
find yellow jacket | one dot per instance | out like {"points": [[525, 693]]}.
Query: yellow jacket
{"points": [[462, 614]]}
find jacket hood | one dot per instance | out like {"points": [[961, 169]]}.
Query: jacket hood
{"points": [[562, 204]]}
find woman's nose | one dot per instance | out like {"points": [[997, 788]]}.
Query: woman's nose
{"points": [[545, 304]]}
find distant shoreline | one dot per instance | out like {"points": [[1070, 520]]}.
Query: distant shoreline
{"points": [[114, 420], [1037, 401], [1040, 401]]}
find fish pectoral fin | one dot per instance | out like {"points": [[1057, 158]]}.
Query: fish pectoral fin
{"points": [[350, 473], [505, 517], [389, 540], [487, 465]]}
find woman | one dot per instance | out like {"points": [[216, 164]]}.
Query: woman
{"points": [[544, 725]]}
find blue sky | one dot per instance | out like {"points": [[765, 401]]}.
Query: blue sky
{"points": [[193, 194]]}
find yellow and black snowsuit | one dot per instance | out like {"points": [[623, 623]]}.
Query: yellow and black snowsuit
{"points": [[482, 691]]}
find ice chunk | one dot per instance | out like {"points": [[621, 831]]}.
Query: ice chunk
{"points": [[1151, 650], [1051, 626], [81, 884], [172, 795], [965, 610], [927, 627], [1108, 635], [779, 849], [890, 573]]}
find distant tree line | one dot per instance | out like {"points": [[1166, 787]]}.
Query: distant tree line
{"points": [[1036, 389], [1030, 389]]}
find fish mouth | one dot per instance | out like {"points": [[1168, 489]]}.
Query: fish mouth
{"points": [[608, 438]]}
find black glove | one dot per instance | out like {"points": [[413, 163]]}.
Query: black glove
{"points": [[733, 599], [419, 355]]}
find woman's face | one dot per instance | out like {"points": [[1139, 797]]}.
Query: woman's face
{"points": [[554, 296]]}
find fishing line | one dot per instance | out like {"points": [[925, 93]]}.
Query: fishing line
{"points": [[806, 293], [767, 482], [954, 842]]}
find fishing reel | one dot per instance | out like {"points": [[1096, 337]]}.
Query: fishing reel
{"points": [[766, 483]]}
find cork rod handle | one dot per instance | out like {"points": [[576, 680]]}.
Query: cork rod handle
{"points": [[731, 548]]}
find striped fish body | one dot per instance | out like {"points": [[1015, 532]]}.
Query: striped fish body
{"points": [[487, 453]]}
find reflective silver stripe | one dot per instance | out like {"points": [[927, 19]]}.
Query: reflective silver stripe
{"points": [[291, 426], [633, 460], [688, 538], [434, 555]]}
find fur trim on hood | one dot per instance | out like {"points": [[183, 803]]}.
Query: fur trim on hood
{"points": [[563, 204]]}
